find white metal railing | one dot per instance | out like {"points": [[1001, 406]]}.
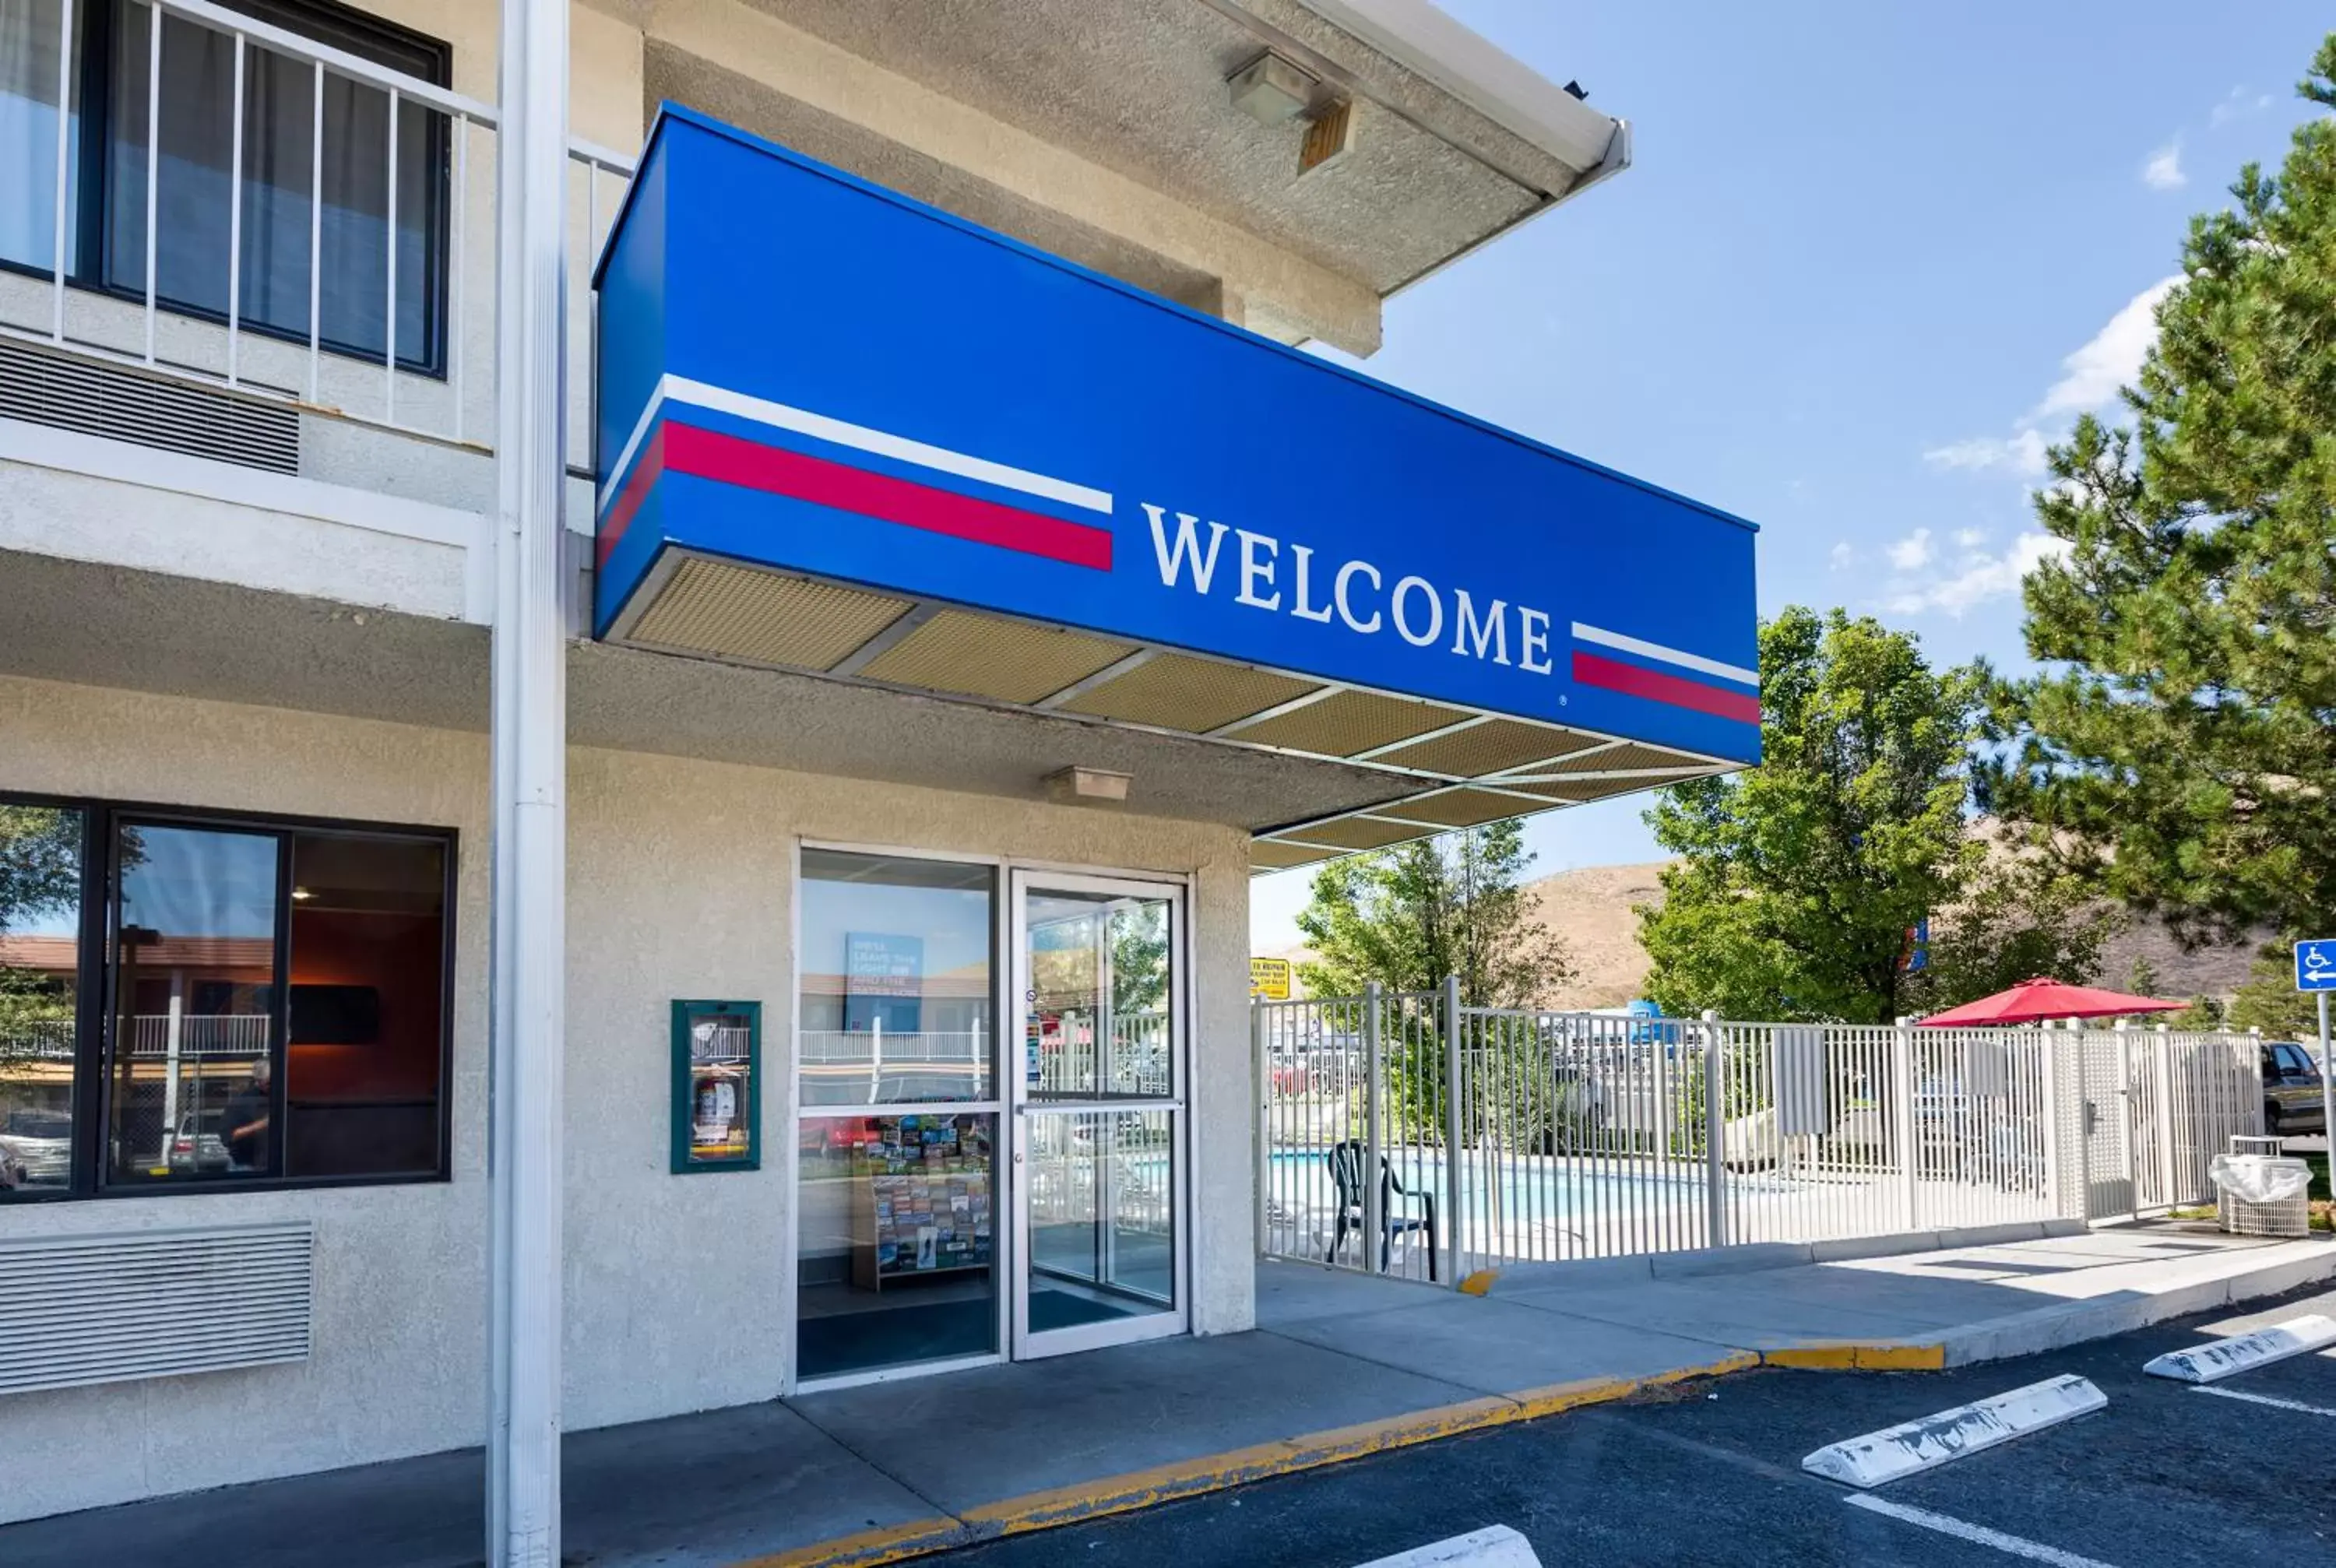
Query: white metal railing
{"points": [[875, 1065], [1505, 1136], [238, 1037], [231, 1034], [1135, 1063], [45, 1040], [441, 397]]}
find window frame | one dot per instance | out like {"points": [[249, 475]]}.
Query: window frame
{"points": [[98, 974], [324, 22]]}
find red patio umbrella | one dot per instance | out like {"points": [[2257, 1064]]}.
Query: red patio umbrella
{"points": [[2034, 1001]]}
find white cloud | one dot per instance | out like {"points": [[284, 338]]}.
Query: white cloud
{"points": [[2092, 374], [1984, 578], [2163, 169], [1911, 553], [1842, 557], [1970, 538], [2023, 452], [2235, 105]]}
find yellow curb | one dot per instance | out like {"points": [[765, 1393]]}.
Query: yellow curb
{"points": [[1135, 1489], [885, 1543], [1852, 1355], [1139, 1489]]}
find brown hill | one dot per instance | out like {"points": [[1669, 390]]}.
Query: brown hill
{"points": [[1589, 908]]}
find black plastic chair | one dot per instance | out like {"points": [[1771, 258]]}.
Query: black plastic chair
{"points": [[1347, 1177]]}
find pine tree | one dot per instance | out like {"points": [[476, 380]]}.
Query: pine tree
{"points": [[2180, 751]]}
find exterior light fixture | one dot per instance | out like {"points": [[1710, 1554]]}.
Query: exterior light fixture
{"points": [[1088, 784], [1270, 90], [1329, 136], [301, 895]]}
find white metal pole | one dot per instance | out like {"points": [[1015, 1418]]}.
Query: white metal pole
{"points": [[2327, 1088], [1374, 1203], [174, 1024], [1261, 1087], [1904, 1125], [1452, 1035], [531, 799], [1715, 1133]]}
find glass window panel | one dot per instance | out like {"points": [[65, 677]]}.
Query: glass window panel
{"points": [[193, 1046], [1099, 965], [366, 1052], [192, 196], [1103, 1216], [31, 36], [896, 1259], [896, 961], [39, 968]]}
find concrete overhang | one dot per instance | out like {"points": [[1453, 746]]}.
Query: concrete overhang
{"points": [[86, 623], [1106, 133]]}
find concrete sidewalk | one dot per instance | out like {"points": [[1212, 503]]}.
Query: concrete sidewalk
{"points": [[1341, 1366]]}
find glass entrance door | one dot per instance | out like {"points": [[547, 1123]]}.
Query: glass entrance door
{"points": [[1097, 1076]]}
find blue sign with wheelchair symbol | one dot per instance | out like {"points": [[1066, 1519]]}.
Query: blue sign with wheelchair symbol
{"points": [[2315, 965]]}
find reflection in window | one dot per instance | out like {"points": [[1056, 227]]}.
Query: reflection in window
{"points": [[1098, 1025], [193, 1090], [284, 172], [367, 1020], [896, 958], [194, 181], [30, 39], [40, 966]]}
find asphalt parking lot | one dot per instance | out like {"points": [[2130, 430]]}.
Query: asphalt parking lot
{"points": [[1710, 1473]]}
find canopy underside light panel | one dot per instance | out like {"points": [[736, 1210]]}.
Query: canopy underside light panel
{"points": [[841, 432]]}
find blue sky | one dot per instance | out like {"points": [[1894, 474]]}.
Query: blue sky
{"points": [[1868, 259]]}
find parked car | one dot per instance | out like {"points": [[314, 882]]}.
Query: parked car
{"points": [[2291, 1091], [35, 1146], [197, 1144]]}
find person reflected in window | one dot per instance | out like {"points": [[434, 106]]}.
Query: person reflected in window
{"points": [[244, 1130]]}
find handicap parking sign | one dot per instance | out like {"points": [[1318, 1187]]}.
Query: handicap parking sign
{"points": [[2315, 965]]}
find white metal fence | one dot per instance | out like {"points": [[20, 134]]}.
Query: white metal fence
{"points": [[1504, 1136], [278, 263]]}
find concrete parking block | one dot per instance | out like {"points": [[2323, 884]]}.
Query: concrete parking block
{"points": [[1894, 1453]]}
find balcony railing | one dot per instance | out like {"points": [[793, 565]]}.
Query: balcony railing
{"points": [[397, 328]]}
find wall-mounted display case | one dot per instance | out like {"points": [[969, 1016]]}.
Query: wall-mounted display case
{"points": [[718, 1059]]}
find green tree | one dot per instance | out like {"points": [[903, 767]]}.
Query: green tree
{"points": [[1797, 881], [2016, 917], [2141, 979], [2268, 999], [1450, 905], [2179, 750], [39, 877]]}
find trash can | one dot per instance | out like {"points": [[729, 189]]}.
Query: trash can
{"points": [[2261, 1193]]}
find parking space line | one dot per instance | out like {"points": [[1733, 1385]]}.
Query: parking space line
{"points": [[1978, 1534], [2264, 1399]]}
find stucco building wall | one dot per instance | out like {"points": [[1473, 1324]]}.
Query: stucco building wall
{"points": [[681, 883]]}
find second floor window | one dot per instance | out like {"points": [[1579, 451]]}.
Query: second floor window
{"points": [[330, 195]]}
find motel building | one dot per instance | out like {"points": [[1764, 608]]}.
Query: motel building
{"points": [[688, 839]]}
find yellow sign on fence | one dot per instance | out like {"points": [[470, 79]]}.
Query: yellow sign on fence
{"points": [[1270, 979]]}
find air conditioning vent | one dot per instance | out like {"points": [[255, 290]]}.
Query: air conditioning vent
{"points": [[97, 397], [106, 1309]]}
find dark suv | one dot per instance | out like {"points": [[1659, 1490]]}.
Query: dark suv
{"points": [[2292, 1101]]}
